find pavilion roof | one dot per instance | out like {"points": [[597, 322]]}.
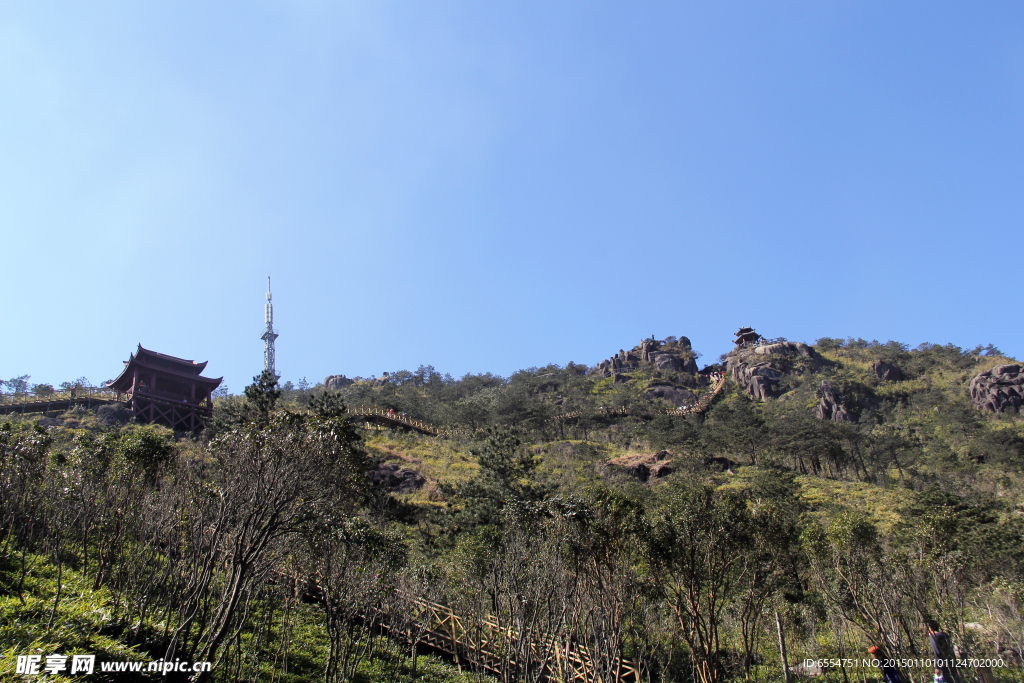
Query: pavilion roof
{"points": [[180, 364], [162, 363]]}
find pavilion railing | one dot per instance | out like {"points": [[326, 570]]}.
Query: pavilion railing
{"points": [[98, 393]]}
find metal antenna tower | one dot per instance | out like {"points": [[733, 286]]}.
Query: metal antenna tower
{"points": [[269, 335]]}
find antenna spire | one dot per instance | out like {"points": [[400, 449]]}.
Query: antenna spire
{"points": [[269, 335]]}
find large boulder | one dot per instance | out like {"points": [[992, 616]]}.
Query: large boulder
{"points": [[762, 388], [761, 380], [336, 382], [396, 478], [677, 396], [999, 389], [780, 349], [789, 350], [669, 362], [759, 369], [831, 407], [664, 356], [647, 349], [886, 371]]}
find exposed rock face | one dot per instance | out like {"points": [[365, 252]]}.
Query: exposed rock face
{"points": [[335, 382], [395, 478], [643, 467], [780, 349], [759, 379], [677, 396], [886, 371], [671, 357], [831, 407], [758, 369], [647, 349], [667, 361], [999, 389]]}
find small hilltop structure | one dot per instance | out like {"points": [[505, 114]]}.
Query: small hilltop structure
{"points": [[746, 335], [167, 390]]}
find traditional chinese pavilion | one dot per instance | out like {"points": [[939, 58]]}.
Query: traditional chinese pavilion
{"points": [[166, 390], [746, 335]]}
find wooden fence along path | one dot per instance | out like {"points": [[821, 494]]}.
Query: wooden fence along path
{"points": [[386, 416], [89, 396], [57, 401], [481, 642]]}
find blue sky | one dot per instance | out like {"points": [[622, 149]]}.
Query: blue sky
{"points": [[489, 186]]}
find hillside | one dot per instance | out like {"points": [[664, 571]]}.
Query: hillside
{"points": [[843, 492]]}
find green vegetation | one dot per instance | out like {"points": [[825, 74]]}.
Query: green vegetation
{"points": [[837, 535]]}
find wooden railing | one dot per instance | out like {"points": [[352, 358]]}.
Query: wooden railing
{"points": [[98, 393], [481, 642], [478, 642], [389, 415], [57, 400]]}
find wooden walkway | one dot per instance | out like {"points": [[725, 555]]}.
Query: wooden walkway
{"points": [[389, 418], [482, 644], [486, 644], [370, 415], [58, 401]]}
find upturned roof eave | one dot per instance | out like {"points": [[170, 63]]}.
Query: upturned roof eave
{"points": [[124, 380]]}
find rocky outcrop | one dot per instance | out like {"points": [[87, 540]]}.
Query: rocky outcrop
{"points": [[673, 362], [647, 348], [886, 371], [788, 350], [394, 478], [669, 362], [335, 382], [761, 380], [999, 389], [831, 407], [643, 467], [758, 369], [677, 396], [667, 356]]}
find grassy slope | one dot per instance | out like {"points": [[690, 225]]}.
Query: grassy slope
{"points": [[82, 625]]}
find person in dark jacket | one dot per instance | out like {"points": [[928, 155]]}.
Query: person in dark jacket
{"points": [[942, 649]]}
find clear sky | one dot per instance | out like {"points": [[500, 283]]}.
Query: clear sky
{"points": [[489, 186]]}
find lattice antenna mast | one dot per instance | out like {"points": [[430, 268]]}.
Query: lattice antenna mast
{"points": [[269, 335]]}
